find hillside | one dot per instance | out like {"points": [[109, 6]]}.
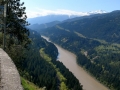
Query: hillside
{"points": [[37, 63], [105, 27], [95, 41], [37, 27]]}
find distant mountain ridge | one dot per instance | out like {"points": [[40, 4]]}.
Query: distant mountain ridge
{"points": [[51, 20], [48, 18], [61, 16], [104, 26], [38, 27], [100, 26]]}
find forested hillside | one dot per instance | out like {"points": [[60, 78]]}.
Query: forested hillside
{"points": [[34, 57], [95, 41], [104, 26], [37, 69]]}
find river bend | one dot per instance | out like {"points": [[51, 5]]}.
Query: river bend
{"points": [[69, 60]]}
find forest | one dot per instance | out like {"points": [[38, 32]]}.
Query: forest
{"points": [[24, 45], [36, 69], [95, 41]]}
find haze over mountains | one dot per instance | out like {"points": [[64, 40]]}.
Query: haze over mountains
{"points": [[49, 20], [37, 27], [60, 15]]}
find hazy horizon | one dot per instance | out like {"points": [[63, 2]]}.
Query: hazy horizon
{"points": [[38, 8]]}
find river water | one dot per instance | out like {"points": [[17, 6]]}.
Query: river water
{"points": [[69, 60]]}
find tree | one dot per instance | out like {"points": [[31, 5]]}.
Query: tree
{"points": [[16, 22]]}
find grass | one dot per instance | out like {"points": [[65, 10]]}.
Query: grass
{"points": [[60, 28], [79, 34], [45, 56], [101, 41], [28, 85], [59, 75]]}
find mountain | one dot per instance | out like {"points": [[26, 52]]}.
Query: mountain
{"points": [[96, 43], [37, 27], [61, 15], [104, 26], [48, 18], [48, 21], [82, 17]]}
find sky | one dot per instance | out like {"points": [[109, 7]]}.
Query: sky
{"points": [[35, 8]]}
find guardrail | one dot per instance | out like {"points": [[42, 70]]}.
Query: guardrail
{"points": [[10, 78]]}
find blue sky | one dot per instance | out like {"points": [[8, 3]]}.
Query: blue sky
{"points": [[44, 7]]}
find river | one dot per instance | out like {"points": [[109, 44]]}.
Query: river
{"points": [[69, 60]]}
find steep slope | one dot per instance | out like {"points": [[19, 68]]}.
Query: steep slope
{"points": [[105, 26], [83, 37], [41, 68]]}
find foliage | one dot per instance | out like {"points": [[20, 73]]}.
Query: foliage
{"points": [[104, 26], [26, 56], [83, 37], [28, 85], [61, 78], [35, 68], [16, 23]]}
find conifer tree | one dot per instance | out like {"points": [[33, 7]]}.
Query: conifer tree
{"points": [[16, 22]]}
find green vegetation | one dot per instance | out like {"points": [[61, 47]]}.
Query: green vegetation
{"points": [[24, 51], [100, 59], [59, 75], [27, 85], [96, 42], [104, 27], [107, 48], [42, 70], [79, 34], [16, 23], [45, 56]]}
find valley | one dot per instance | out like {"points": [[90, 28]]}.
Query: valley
{"points": [[62, 44], [95, 42], [69, 60]]}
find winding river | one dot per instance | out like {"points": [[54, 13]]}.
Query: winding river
{"points": [[69, 60]]}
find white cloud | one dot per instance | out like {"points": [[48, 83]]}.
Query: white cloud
{"points": [[44, 12]]}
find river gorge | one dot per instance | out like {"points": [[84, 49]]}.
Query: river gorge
{"points": [[69, 60]]}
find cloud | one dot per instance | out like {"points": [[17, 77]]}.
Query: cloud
{"points": [[44, 12]]}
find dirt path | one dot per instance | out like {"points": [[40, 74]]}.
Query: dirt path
{"points": [[10, 79]]}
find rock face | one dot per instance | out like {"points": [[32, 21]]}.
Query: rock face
{"points": [[9, 76]]}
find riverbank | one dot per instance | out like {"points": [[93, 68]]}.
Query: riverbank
{"points": [[69, 60]]}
